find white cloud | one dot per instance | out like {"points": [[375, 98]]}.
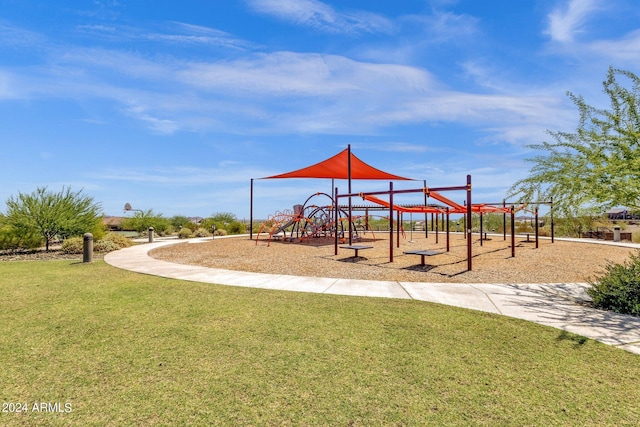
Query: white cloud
{"points": [[162, 126], [7, 86], [565, 22], [303, 74], [278, 92], [284, 92], [182, 175], [321, 16], [334, 94], [176, 33], [516, 117], [394, 146], [18, 38], [441, 27], [622, 51]]}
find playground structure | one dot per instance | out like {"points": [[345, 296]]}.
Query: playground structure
{"points": [[426, 191], [310, 220], [307, 221]]}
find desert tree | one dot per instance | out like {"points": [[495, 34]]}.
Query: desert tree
{"points": [[141, 221], [53, 215], [597, 166]]}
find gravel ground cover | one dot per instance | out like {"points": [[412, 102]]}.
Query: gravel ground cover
{"points": [[559, 262], [42, 255]]}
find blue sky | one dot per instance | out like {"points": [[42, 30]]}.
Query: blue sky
{"points": [[175, 106]]}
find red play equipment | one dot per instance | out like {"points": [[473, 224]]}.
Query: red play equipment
{"points": [[344, 165], [310, 220], [306, 221], [391, 192]]}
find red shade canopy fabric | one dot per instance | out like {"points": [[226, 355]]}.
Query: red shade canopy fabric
{"points": [[337, 167]]}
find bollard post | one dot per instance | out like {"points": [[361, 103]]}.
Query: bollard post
{"points": [[87, 247], [150, 234]]}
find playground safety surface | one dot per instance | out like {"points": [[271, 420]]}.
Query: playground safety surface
{"points": [[558, 262]]}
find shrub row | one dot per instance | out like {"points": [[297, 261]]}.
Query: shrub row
{"points": [[187, 233], [110, 242]]}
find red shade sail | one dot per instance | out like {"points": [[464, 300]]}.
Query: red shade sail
{"points": [[337, 167]]}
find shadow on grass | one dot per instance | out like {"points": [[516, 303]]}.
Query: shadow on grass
{"points": [[577, 339]]}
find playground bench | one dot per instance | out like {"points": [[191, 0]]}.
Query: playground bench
{"points": [[356, 248], [422, 253]]}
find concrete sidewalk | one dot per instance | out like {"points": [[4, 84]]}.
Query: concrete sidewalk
{"points": [[555, 305]]}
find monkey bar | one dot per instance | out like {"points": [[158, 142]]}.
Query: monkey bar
{"points": [[399, 208]]}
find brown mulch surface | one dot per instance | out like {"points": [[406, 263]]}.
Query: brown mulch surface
{"points": [[559, 262]]}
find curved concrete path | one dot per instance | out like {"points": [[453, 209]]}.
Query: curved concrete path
{"points": [[555, 305]]}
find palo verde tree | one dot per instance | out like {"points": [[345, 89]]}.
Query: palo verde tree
{"points": [[142, 220], [52, 215], [11, 239], [597, 166]]}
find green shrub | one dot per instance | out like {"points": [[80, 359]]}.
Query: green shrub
{"points": [[201, 232], [185, 233], [220, 232], [99, 232], [224, 221], [105, 246], [11, 239], [618, 289], [73, 245], [236, 227], [110, 242], [119, 240]]}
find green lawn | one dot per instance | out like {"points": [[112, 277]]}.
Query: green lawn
{"points": [[120, 348]]}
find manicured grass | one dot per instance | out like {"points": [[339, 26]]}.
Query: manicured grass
{"points": [[129, 349]]}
